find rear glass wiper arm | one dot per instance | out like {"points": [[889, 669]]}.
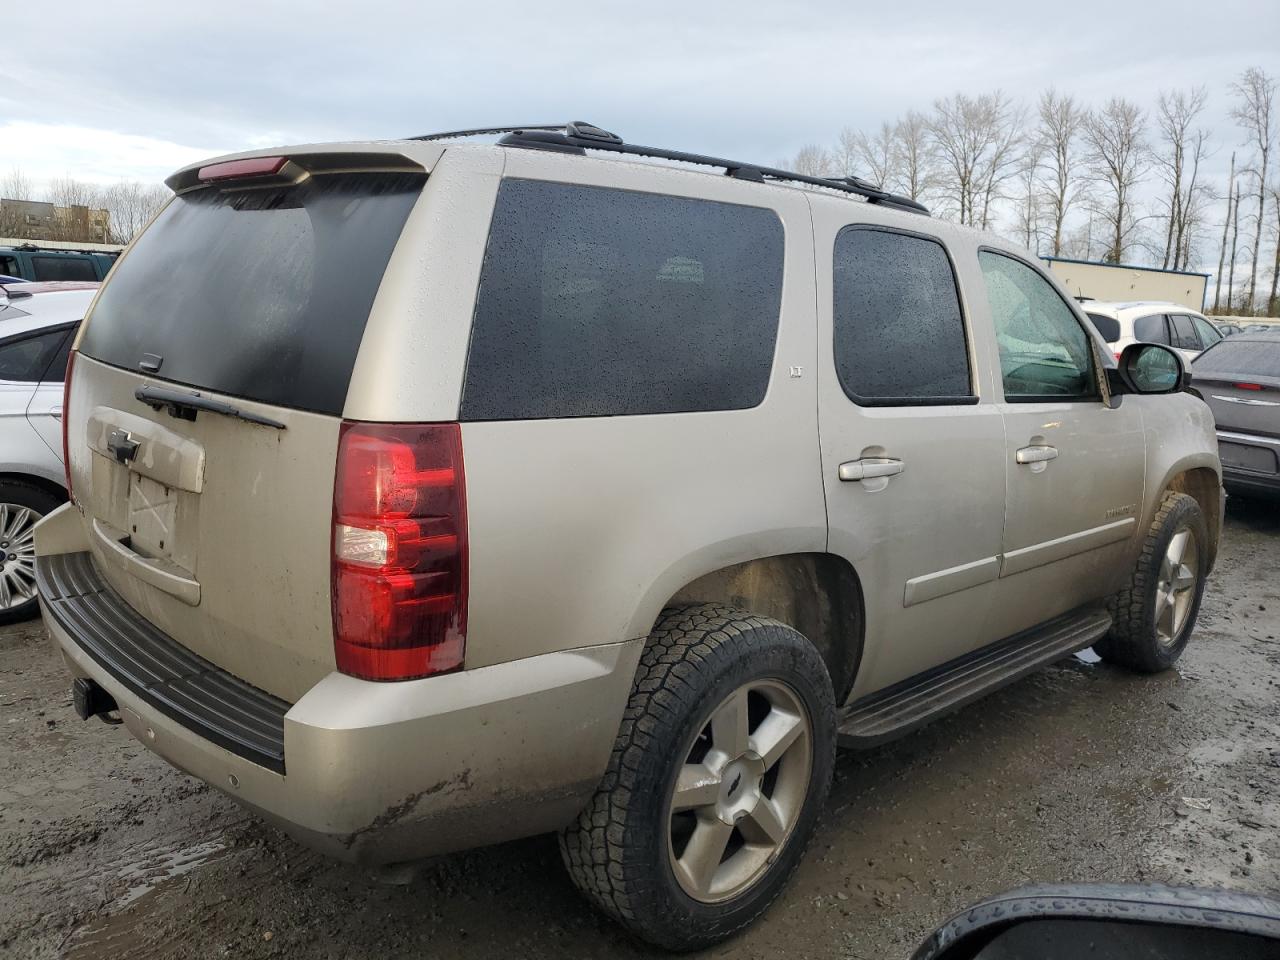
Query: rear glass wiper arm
{"points": [[184, 406]]}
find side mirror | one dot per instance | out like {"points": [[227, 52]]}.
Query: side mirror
{"points": [[1150, 368], [1110, 922]]}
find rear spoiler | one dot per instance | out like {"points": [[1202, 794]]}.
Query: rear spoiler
{"points": [[300, 162]]}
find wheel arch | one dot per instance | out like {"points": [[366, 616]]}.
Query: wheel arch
{"points": [[40, 481], [1201, 481], [819, 594]]}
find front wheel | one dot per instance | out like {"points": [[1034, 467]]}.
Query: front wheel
{"points": [[716, 781], [1154, 616]]}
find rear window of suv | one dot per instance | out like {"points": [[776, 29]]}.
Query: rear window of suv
{"points": [[260, 293], [603, 302]]}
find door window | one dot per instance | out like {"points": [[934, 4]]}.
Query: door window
{"points": [[25, 359], [63, 268], [9, 266], [1209, 335], [899, 333], [1151, 329], [1184, 333], [1044, 351]]}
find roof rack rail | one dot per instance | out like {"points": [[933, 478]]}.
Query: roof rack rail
{"points": [[578, 137]]}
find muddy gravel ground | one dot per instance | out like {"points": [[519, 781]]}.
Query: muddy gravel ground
{"points": [[1081, 772]]}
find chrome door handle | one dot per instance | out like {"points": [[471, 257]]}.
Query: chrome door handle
{"points": [[869, 468], [1037, 454], [56, 411]]}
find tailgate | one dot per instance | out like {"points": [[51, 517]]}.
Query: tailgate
{"points": [[211, 512]]}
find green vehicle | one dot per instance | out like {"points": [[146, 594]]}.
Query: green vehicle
{"points": [[30, 262]]}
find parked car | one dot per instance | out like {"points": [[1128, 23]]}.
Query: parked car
{"points": [[1171, 324], [637, 504], [1228, 329], [32, 262], [1240, 380], [37, 324]]}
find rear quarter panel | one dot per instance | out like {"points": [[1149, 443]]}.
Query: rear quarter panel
{"points": [[581, 529]]}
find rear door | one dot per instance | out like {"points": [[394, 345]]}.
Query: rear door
{"points": [[216, 528], [912, 453], [1073, 466], [44, 411]]}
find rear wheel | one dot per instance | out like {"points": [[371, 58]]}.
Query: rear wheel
{"points": [[716, 781], [22, 505], [1154, 616]]}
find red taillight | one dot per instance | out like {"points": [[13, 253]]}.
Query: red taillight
{"points": [[1118, 352], [1248, 386], [399, 550], [66, 416], [237, 169]]}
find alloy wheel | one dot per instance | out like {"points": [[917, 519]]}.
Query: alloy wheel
{"points": [[17, 555], [1176, 585], [740, 791]]}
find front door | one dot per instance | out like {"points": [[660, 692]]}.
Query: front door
{"points": [[1074, 466], [912, 454]]}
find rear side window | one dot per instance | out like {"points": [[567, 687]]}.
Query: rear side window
{"points": [[56, 372], [1241, 358], [63, 268], [8, 266], [899, 333], [601, 302], [1108, 327], [25, 359], [1151, 329], [259, 293], [1184, 332]]}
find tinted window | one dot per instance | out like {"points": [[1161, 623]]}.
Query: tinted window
{"points": [[25, 359], [1044, 351], [1209, 334], [899, 335], [56, 371], [1151, 329], [598, 302], [1241, 358], [63, 268], [8, 266], [1184, 332], [259, 293], [1109, 327]]}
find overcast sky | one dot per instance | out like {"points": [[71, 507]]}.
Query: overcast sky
{"points": [[109, 90]]}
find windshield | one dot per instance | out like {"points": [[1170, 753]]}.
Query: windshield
{"points": [[260, 293]]}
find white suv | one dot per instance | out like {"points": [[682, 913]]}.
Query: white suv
{"points": [[38, 322], [1152, 321]]}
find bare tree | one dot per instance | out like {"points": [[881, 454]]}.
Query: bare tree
{"points": [[1273, 305], [875, 156], [917, 174], [131, 205], [1058, 133], [975, 140], [1234, 208], [1028, 206], [1226, 225], [14, 186], [1178, 161], [1115, 140], [814, 161], [1256, 92], [73, 201]]}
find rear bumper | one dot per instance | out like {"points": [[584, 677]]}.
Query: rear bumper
{"points": [[1245, 482], [388, 772]]}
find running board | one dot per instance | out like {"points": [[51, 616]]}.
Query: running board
{"points": [[890, 713]]}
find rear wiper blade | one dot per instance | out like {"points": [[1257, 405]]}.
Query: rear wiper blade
{"points": [[184, 406]]}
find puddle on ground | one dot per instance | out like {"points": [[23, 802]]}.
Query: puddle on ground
{"points": [[155, 868]]}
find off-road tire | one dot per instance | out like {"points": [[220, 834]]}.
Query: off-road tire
{"points": [[1133, 641], [617, 850], [36, 498]]}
